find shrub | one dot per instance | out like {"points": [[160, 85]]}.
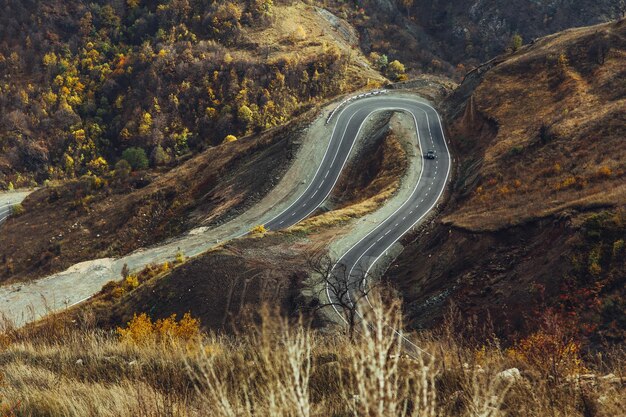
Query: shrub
{"points": [[98, 165], [515, 150], [382, 61], [141, 330], [159, 156], [395, 70], [245, 115], [136, 157], [122, 170], [516, 42], [604, 172], [551, 350], [17, 209], [259, 230], [131, 282]]}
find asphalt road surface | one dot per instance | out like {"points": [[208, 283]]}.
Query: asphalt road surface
{"points": [[8, 200], [5, 212], [358, 260]]}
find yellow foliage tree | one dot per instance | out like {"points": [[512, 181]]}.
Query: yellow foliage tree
{"points": [[259, 230], [146, 124], [50, 59], [396, 70]]}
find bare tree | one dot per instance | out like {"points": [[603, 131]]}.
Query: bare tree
{"points": [[337, 288]]}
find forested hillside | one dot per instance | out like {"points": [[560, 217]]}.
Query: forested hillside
{"points": [[81, 82], [452, 36]]}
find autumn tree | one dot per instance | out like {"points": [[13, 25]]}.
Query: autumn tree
{"points": [[396, 70], [516, 42]]}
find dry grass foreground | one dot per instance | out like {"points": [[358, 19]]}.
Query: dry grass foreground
{"points": [[278, 368]]}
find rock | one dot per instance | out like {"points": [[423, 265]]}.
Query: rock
{"points": [[510, 375]]}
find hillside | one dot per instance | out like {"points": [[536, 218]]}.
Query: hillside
{"points": [[451, 37], [536, 216], [151, 271], [84, 81], [182, 99]]}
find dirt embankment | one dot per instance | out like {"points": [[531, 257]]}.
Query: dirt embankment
{"points": [[536, 214]]}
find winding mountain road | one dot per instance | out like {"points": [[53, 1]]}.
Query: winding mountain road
{"points": [[24, 302], [362, 256]]}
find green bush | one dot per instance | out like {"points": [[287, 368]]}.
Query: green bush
{"points": [[18, 209], [516, 42], [136, 157], [122, 170]]}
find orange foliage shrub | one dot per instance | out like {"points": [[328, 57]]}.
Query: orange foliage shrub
{"points": [[551, 350], [604, 172], [504, 190], [142, 330]]}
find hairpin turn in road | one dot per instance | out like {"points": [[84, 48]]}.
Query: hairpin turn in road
{"points": [[430, 140]]}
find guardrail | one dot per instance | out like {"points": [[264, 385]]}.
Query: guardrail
{"points": [[350, 99]]}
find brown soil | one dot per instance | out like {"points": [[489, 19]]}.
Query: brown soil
{"points": [[548, 144]]}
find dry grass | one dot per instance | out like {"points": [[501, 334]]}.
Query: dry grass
{"points": [[283, 368], [340, 216]]}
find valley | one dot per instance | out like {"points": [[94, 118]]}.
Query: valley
{"points": [[374, 207]]}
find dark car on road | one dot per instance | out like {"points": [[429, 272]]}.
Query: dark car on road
{"points": [[430, 154]]}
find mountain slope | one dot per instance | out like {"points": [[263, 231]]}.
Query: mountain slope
{"points": [[84, 81], [452, 36], [536, 219]]}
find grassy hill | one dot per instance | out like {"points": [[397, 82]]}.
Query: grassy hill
{"points": [[276, 366]]}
